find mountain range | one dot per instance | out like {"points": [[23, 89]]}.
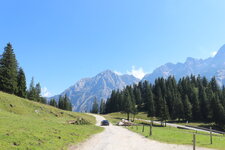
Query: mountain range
{"points": [[213, 66], [82, 94]]}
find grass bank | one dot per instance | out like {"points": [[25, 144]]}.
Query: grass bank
{"points": [[27, 125]]}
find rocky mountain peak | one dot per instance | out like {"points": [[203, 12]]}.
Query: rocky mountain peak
{"points": [[221, 53], [205, 67], [100, 86]]}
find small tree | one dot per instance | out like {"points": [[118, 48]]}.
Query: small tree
{"points": [[128, 104], [60, 103], [95, 106], [31, 94], [102, 107], [21, 81], [38, 92], [53, 102], [64, 103]]}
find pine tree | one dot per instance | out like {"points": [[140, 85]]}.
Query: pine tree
{"points": [[128, 105], [214, 85], [157, 96], [66, 103], [172, 97], [163, 110], [223, 97], [38, 92], [102, 107], [179, 107], [61, 103], [21, 81], [204, 103], [137, 94], [31, 95], [196, 111], [145, 88], [150, 102], [8, 71], [53, 102], [218, 111], [187, 109], [95, 106], [43, 100]]}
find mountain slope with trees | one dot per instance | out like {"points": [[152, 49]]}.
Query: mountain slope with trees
{"points": [[190, 99]]}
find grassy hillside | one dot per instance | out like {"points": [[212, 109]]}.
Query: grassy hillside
{"points": [[29, 125]]}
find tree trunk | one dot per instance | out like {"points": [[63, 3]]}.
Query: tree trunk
{"points": [[128, 116], [133, 117]]}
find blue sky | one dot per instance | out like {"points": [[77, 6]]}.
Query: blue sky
{"points": [[61, 41]]}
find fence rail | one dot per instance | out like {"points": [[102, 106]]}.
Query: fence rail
{"points": [[202, 128]]}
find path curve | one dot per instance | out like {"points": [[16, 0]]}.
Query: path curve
{"points": [[119, 138]]}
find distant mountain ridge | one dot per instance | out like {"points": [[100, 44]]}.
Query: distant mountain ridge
{"points": [[213, 66], [84, 91]]}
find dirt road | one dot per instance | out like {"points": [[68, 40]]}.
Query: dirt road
{"points": [[119, 138]]}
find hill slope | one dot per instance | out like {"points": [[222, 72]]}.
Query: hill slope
{"points": [[213, 66], [82, 94], [29, 125]]}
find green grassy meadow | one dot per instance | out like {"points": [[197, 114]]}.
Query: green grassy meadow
{"points": [[179, 136], [27, 125], [170, 134]]}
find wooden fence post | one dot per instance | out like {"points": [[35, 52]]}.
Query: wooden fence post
{"points": [[211, 135], [143, 129], [150, 130], [194, 141]]}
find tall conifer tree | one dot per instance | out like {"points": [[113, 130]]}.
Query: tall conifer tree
{"points": [[95, 106], [21, 81], [31, 95], [187, 109], [8, 71]]}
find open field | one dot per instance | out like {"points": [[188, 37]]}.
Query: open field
{"points": [[171, 134], [29, 125]]}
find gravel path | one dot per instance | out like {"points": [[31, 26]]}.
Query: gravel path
{"points": [[119, 138]]}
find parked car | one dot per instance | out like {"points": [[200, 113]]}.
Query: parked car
{"points": [[105, 123]]}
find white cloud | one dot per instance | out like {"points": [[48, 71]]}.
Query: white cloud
{"points": [[137, 72], [45, 92], [213, 53]]}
